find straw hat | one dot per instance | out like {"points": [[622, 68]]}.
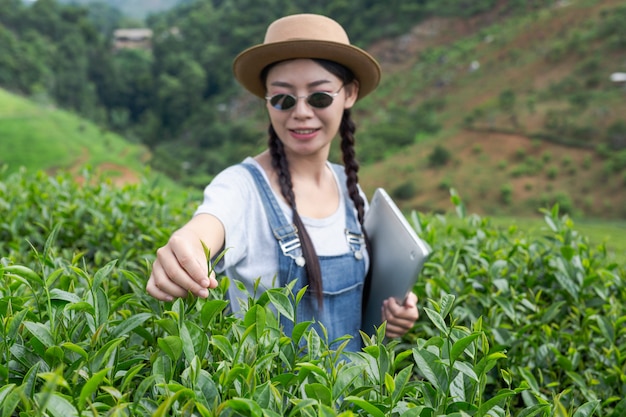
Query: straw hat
{"points": [[305, 36]]}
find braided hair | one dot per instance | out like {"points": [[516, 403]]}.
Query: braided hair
{"points": [[351, 166]]}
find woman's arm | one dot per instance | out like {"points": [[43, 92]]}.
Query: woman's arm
{"points": [[181, 265]]}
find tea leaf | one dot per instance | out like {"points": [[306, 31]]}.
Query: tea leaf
{"points": [[535, 410], [431, 368], [401, 380], [172, 346], [224, 345], [129, 375], [129, 324], [494, 401], [10, 397], [319, 392], [210, 310], [245, 405], [437, 320], [255, 317], [460, 345], [40, 332], [298, 331], [466, 369], [103, 274], [345, 376], [58, 406], [164, 408], [24, 272], [15, 323], [606, 327], [282, 304], [91, 387], [188, 346], [390, 384], [447, 302], [366, 406]]}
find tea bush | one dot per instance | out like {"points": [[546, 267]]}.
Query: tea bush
{"points": [[511, 325]]}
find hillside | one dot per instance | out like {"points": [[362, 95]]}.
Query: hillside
{"points": [[41, 137], [550, 145], [514, 112]]}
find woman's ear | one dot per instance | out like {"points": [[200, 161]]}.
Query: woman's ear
{"points": [[352, 93]]}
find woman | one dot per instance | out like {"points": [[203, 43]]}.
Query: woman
{"points": [[288, 214]]}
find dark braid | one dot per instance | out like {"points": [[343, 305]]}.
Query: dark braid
{"points": [[281, 166], [351, 166]]}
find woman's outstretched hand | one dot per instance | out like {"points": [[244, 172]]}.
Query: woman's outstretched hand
{"points": [[400, 317], [181, 266]]}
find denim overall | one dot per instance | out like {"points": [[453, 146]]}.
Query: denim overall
{"points": [[342, 275]]}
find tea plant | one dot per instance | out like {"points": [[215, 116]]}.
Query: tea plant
{"points": [[511, 325]]}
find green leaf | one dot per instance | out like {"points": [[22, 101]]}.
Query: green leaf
{"points": [[164, 408], [535, 410], [606, 327], [437, 320], [129, 324], [447, 302], [245, 405], [210, 310], [40, 332], [81, 306], [24, 272], [429, 365], [103, 274], [256, 317], [90, 387], [4, 392], [172, 346], [587, 409], [298, 331], [224, 345], [319, 392], [102, 307], [188, 345], [460, 345], [282, 304], [58, 406], [501, 396], [366, 406], [466, 369], [345, 376], [390, 384], [401, 380]]}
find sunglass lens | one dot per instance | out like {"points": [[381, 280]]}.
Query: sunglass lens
{"points": [[283, 101], [320, 100]]}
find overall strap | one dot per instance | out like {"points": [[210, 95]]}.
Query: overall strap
{"points": [[354, 233], [284, 231]]}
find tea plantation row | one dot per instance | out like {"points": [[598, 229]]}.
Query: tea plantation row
{"points": [[511, 325]]}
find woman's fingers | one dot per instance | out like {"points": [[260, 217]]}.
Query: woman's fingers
{"points": [[400, 318]]}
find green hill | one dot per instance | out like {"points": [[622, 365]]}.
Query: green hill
{"points": [[41, 137], [527, 115], [514, 112]]}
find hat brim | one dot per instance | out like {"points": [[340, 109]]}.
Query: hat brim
{"points": [[249, 64]]}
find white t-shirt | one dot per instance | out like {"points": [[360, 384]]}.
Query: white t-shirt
{"points": [[251, 248]]}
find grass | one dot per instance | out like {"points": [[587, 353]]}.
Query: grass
{"points": [[41, 137]]}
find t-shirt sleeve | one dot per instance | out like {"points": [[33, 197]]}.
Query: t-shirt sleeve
{"points": [[227, 198]]}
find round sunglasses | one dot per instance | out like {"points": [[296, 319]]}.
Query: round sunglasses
{"points": [[317, 100]]}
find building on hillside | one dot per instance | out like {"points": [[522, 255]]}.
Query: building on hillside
{"points": [[132, 38]]}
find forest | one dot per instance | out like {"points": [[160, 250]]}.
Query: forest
{"points": [[181, 90]]}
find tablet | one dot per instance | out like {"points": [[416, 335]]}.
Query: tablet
{"points": [[398, 255]]}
